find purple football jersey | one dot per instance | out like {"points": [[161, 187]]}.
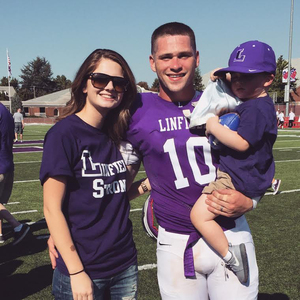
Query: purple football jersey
{"points": [[178, 161], [96, 206], [252, 171]]}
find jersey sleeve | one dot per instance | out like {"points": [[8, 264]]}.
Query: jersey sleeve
{"points": [[58, 155]]}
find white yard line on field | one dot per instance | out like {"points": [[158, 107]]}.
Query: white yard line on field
{"points": [[286, 148], [147, 267], [23, 212], [26, 181], [28, 162], [285, 141], [136, 209], [283, 192], [285, 161]]}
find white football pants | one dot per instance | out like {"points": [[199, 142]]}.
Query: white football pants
{"points": [[213, 280]]}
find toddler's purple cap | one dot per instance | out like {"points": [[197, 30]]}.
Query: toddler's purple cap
{"points": [[251, 57]]}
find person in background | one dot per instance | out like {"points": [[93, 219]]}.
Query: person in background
{"points": [[281, 119], [85, 188], [291, 118], [7, 176], [19, 125]]}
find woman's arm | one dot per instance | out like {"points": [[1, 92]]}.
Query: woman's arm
{"points": [[137, 188], [54, 192], [226, 136]]}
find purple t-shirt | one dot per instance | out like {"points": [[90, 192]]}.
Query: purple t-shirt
{"points": [[6, 140], [252, 171], [178, 161], [96, 206]]}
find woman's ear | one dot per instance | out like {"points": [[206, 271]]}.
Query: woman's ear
{"points": [[84, 89], [269, 80]]}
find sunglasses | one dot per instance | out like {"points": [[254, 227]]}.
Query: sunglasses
{"points": [[100, 81]]}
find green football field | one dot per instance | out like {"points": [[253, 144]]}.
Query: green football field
{"points": [[26, 272]]}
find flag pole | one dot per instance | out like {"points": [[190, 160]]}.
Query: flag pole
{"points": [[287, 93], [8, 78]]}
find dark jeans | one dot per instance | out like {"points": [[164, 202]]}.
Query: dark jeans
{"points": [[121, 286]]}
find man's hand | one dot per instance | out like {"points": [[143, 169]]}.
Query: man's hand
{"points": [[211, 123], [226, 77], [52, 252], [228, 203]]}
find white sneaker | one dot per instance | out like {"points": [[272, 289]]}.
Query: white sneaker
{"points": [[238, 263], [275, 186]]}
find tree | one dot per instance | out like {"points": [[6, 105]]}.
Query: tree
{"points": [[143, 84], [37, 79], [198, 85], [155, 85], [4, 81], [277, 85], [13, 82], [62, 83], [16, 103], [3, 96]]}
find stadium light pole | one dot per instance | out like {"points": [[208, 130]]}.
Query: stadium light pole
{"points": [[287, 91]]}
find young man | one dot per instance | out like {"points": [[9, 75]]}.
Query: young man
{"points": [[7, 175], [179, 163]]}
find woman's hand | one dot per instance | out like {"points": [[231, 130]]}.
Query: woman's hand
{"points": [[52, 252], [228, 203], [82, 286]]}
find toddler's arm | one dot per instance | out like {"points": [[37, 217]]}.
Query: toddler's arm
{"points": [[226, 136]]}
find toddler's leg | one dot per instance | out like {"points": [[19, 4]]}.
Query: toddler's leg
{"points": [[235, 257], [211, 231]]}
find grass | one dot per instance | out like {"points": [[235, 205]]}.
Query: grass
{"points": [[26, 272]]}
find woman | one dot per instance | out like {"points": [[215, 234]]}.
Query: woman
{"points": [[84, 183]]}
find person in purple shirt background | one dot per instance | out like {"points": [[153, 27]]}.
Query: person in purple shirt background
{"points": [[180, 163], [84, 183], [246, 163], [7, 176]]}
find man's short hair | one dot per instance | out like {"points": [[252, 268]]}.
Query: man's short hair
{"points": [[173, 28]]}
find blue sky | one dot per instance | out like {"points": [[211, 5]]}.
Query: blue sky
{"points": [[65, 32]]}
